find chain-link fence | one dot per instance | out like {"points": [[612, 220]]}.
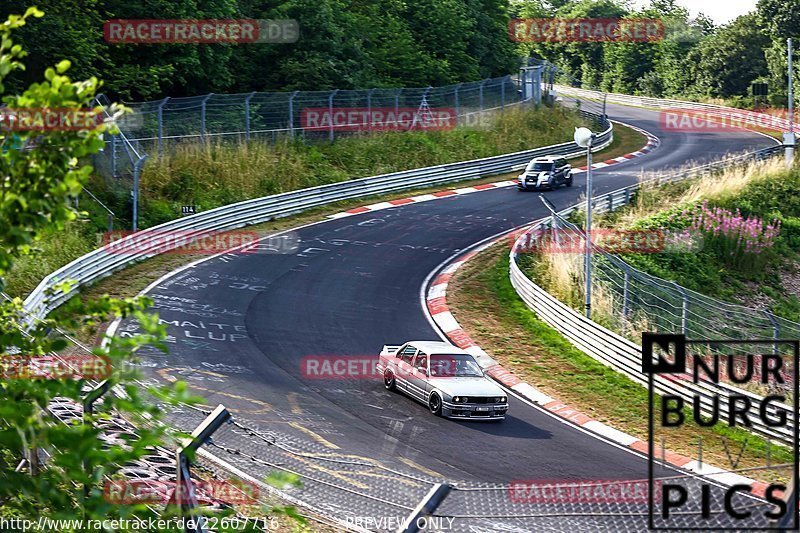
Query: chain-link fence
{"points": [[638, 302], [322, 114]]}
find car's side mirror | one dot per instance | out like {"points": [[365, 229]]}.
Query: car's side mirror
{"points": [[424, 371]]}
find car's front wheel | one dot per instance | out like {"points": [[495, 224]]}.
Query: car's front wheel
{"points": [[568, 181], [435, 404], [388, 380]]}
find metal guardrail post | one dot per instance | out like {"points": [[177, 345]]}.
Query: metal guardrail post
{"points": [[291, 114], [161, 124], [184, 495], [247, 115], [203, 115], [330, 113], [418, 518], [88, 409]]}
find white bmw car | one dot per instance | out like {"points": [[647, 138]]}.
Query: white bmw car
{"points": [[444, 377]]}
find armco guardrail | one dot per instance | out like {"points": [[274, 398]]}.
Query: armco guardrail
{"points": [[101, 263], [612, 349]]}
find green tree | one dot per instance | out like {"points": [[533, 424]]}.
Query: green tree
{"points": [[726, 62]]}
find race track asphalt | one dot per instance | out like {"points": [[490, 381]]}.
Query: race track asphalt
{"points": [[352, 286]]}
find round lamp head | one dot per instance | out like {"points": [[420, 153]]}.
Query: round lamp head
{"points": [[583, 137]]}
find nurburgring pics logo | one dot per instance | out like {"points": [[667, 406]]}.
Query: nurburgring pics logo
{"points": [[611, 241], [734, 507], [585, 30], [377, 119], [191, 31], [50, 119], [97, 367]]}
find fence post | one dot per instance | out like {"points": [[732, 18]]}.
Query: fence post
{"points": [[369, 108], [114, 156], [455, 99], [161, 123], [428, 505], [203, 115], [291, 114], [330, 113], [137, 167], [184, 496], [684, 308], [247, 115], [625, 294], [480, 92], [776, 331], [397, 102], [503, 93]]}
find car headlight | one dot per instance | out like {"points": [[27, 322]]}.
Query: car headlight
{"points": [[503, 399], [459, 399]]}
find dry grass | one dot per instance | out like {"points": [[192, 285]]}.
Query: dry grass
{"points": [[716, 187]]}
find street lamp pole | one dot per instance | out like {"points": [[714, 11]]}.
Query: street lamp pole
{"points": [[585, 138], [587, 259], [789, 139]]}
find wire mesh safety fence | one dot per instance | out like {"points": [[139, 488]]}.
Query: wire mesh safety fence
{"points": [[363, 494], [640, 302], [317, 114]]}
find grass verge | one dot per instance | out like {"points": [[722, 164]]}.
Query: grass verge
{"points": [[484, 302]]}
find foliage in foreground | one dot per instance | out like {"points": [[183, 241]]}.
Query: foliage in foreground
{"points": [[50, 469]]}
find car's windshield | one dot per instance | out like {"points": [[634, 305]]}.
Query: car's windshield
{"points": [[540, 166], [454, 366]]}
